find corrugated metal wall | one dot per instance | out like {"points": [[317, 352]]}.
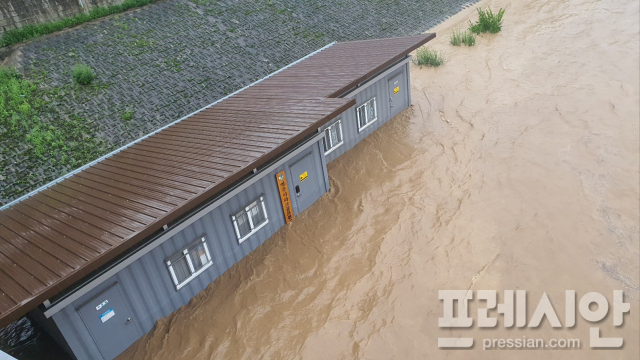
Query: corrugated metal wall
{"points": [[379, 89], [146, 283]]}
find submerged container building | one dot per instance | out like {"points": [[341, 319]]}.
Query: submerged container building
{"points": [[97, 257]]}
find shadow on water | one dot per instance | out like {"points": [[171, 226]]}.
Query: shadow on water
{"points": [[24, 340]]}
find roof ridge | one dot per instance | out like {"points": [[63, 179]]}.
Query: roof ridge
{"points": [[388, 38]]}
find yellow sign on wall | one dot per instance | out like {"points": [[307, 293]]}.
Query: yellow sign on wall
{"points": [[396, 90], [303, 176], [284, 196]]}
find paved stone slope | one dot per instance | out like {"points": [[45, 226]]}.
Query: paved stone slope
{"points": [[169, 59]]}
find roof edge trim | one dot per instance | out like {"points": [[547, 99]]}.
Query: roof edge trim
{"points": [[86, 166]]}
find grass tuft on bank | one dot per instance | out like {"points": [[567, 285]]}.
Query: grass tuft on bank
{"points": [[27, 32], [82, 74], [128, 115], [428, 57], [462, 37], [487, 22]]}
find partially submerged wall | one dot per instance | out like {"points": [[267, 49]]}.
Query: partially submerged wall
{"points": [[18, 13], [378, 90], [146, 284]]}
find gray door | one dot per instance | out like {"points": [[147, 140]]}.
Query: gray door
{"points": [[305, 182], [397, 94], [109, 321]]}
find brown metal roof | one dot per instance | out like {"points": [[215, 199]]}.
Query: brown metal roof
{"points": [[55, 237]]}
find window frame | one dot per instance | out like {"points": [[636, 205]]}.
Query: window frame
{"points": [[246, 209], [185, 253], [366, 113], [333, 146]]}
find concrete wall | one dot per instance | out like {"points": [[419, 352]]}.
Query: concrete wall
{"points": [[17, 13], [379, 89]]}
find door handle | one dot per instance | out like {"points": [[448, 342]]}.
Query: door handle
{"points": [[297, 190], [128, 320]]}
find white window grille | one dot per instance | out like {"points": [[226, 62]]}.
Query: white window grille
{"points": [[333, 137], [250, 219], [188, 263], [367, 113]]}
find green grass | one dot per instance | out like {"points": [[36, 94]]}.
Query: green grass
{"points": [[429, 57], [82, 74], [70, 142], [140, 43], [462, 37], [487, 22], [27, 32], [128, 115], [16, 103]]}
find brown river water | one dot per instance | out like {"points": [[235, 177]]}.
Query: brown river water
{"points": [[516, 168]]}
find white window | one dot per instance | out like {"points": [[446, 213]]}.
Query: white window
{"points": [[367, 113], [250, 219], [332, 137], [185, 265]]}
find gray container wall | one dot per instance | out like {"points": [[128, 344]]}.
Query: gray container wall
{"points": [[379, 89], [50, 327], [146, 284]]}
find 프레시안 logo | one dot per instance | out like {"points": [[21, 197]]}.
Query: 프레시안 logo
{"points": [[513, 311]]}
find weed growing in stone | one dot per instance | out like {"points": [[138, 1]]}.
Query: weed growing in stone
{"points": [[82, 74], [128, 115], [487, 22], [428, 57], [173, 64], [462, 37], [122, 25]]}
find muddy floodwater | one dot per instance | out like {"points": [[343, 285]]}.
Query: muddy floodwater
{"points": [[516, 168]]}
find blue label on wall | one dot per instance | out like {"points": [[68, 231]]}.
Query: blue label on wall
{"points": [[107, 315]]}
